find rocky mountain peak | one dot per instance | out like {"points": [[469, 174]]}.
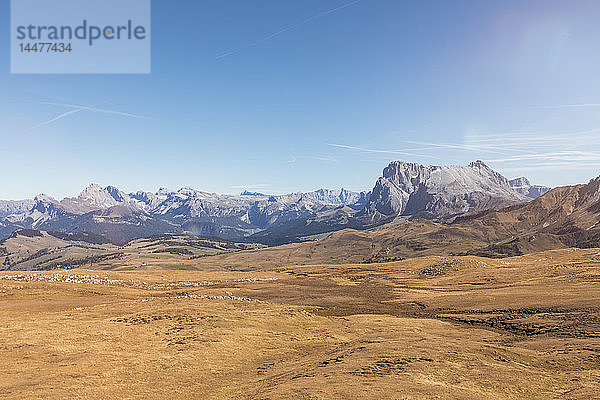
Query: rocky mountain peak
{"points": [[92, 188], [406, 176], [519, 182], [478, 164], [163, 191], [248, 193], [523, 186], [96, 195], [45, 197], [116, 194], [438, 191]]}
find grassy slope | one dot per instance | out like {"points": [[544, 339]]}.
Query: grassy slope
{"points": [[451, 328]]}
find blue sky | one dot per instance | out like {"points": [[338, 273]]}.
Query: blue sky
{"points": [[281, 96]]}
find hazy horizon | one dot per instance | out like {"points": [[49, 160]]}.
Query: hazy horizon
{"points": [[233, 190]]}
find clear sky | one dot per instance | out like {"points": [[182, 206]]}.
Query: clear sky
{"points": [[281, 95]]}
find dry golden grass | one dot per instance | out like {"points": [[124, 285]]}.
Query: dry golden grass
{"points": [[39, 250], [451, 328]]}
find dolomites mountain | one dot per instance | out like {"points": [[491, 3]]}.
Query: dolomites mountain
{"points": [[523, 186], [122, 216], [14, 207], [433, 192], [405, 190]]}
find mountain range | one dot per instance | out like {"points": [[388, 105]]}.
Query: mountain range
{"points": [[565, 217], [404, 191]]}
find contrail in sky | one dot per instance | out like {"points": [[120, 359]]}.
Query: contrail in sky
{"points": [[78, 108], [289, 28], [366, 150], [61, 116], [583, 105], [100, 110]]}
